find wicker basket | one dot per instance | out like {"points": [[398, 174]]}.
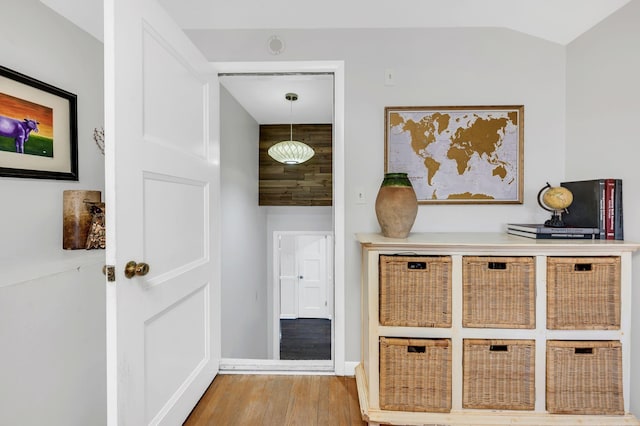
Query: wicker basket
{"points": [[584, 377], [415, 374], [498, 292], [415, 291], [583, 293], [498, 374]]}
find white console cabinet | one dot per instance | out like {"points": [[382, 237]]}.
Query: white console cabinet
{"points": [[542, 329]]}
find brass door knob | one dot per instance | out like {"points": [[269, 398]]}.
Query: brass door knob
{"points": [[132, 268]]}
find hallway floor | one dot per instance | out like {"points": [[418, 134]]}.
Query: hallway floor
{"points": [[257, 400], [305, 339]]}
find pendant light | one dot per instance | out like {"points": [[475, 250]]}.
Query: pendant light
{"points": [[291, 152]]}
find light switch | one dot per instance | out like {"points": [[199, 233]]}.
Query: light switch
{"points": [[389, 77]]}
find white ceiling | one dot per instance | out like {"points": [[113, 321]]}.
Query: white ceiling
{"points": [[263, 96], [559, 21]]}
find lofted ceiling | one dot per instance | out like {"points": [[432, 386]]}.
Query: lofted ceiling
{"points": [[558, 21]]}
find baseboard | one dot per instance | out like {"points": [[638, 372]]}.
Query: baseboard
{"points": [[350, 368], [270, 366], [288, 317]]}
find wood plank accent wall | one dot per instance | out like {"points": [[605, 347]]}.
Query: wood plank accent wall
{"points": [[306, 184]]}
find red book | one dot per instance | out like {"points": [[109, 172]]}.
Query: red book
{"points": [[609, 208]]}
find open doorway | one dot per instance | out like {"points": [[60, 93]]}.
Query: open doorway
{"points": [[303, 271], [274, 217]]}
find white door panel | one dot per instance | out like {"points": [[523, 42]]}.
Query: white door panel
{"points": [[312, 286], [172, 357], [184, 207], [287, 249], [162, 192], [288, 298], [170, 83], [288, 277]]}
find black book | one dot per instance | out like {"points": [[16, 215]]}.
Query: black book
{"points": [[617, 204], [559, 236], [587, 209], [543, 229]]}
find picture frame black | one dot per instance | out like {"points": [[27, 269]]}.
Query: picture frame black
{"points": [[38, 129]]}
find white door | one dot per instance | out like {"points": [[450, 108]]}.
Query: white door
{"points": [[312, 280], [162, 186]]}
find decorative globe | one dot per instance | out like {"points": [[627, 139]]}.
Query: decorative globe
{"points": [[554, 199], [557, 198]]}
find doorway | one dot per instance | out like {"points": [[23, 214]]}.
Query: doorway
{"points": [[336, 218], [303, 296]]}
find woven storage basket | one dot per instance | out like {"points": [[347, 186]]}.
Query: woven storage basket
{"points": [[584, 377], [583, 293], [498, 374], [415, 374], [499, 292], [415, 291]]}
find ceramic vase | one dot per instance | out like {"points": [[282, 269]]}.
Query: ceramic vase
{"points": [[396, 205]]}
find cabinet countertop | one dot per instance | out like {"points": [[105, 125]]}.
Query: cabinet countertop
{"points": [[492, 241]]}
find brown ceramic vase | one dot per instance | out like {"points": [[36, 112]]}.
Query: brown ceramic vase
{"points": [[396, 205]]}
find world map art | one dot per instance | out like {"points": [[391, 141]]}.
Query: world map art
{"points": [[457, 154]]}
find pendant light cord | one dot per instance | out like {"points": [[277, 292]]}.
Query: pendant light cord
{"points": [[291, 119]]}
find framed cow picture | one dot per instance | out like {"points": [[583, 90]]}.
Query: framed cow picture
{"points": [[38, 129]]}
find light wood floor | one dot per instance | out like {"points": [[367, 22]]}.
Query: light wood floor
{"points": [[278, 400]]}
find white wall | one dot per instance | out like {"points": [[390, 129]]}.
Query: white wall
{"points": [[432, 67], [41, 44], [52, 360], [53, 349], [603, 93], [244, 257]]}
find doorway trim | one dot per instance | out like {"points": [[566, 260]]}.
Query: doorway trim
{"points": [[337, 68]]}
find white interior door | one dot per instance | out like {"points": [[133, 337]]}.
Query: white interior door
{"points": [[162, 186], [312, 280]]}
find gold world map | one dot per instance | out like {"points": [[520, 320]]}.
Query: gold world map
{"points": [[456, 155]]}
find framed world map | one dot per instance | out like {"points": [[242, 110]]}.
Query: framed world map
{"points": [[458, 154]]}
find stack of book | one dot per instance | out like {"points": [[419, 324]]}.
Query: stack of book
{"points": [[597, 203], [539, 231]]}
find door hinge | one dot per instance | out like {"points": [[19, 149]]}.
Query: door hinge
{"points": [[325, 303], [110, 272]]}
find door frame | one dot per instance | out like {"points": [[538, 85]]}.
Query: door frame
{"points": [[276, 285], [337, 69]]}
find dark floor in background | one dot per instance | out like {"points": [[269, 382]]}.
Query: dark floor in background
{"points": [[305, 338]]}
